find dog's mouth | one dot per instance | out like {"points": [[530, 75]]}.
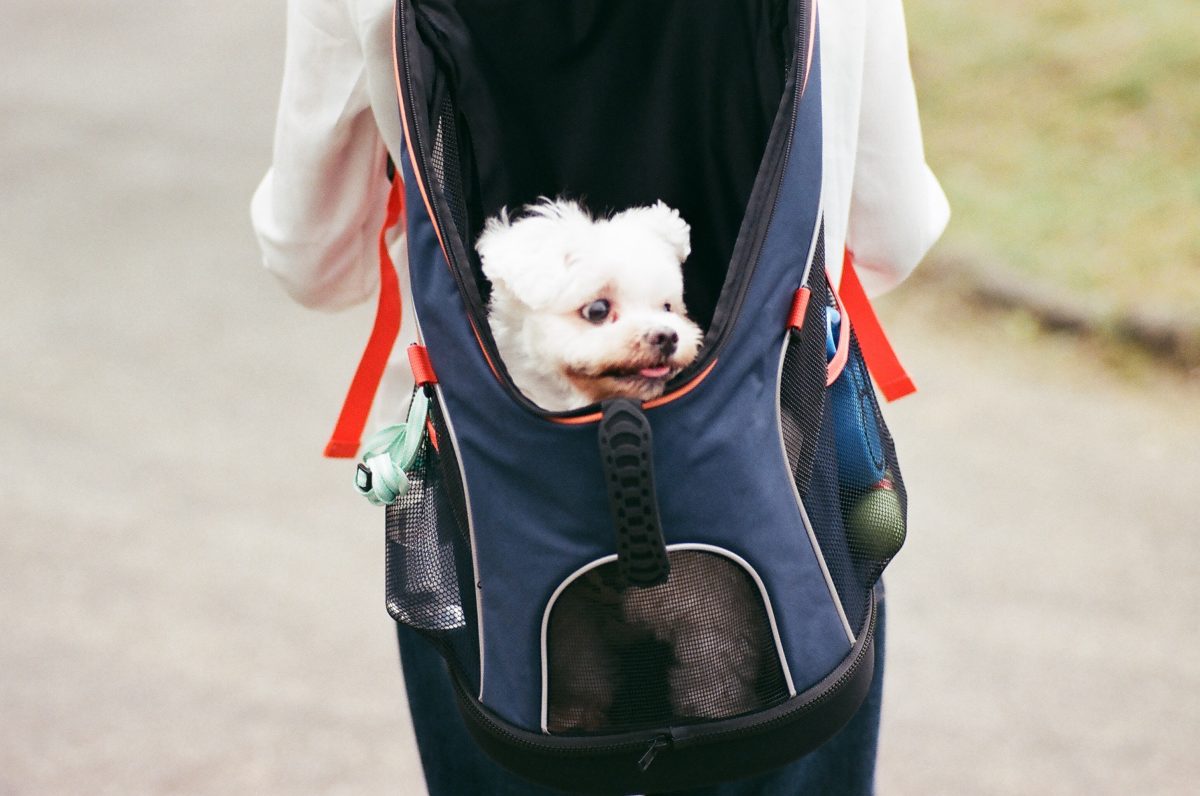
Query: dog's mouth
{"points": [[639, 381], [648, 373]]}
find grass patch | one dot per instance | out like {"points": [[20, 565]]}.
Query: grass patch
{"points": [[1067, 136]]}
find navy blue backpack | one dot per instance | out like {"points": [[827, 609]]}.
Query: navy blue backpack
{"points": [[638, 597]]}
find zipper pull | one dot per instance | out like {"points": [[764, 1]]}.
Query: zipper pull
{"points": [[661, 742]]}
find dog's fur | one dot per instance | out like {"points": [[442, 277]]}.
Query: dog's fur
{"points": [[548, 265]]}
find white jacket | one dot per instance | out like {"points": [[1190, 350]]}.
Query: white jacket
{"points": [[319, 208]]}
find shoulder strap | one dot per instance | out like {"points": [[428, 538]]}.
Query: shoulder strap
{"points": [[347, 434], [881, 359]]}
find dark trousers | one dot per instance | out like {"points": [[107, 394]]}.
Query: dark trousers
{"points": [[455, 766]]}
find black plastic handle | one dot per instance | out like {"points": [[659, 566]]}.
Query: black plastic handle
{"points": [[626, 455]]}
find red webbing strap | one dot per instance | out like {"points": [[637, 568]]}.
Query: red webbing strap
{"points": [[347, 434], [884, 366]]}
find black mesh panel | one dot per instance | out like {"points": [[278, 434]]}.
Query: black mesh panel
{"points": [[447, 165], [802, 388], [842, 459], [430, 586], [876, 516], [453, 173], [695, 648]]}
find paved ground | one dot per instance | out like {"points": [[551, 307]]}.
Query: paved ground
{"points": [[191, 600]]}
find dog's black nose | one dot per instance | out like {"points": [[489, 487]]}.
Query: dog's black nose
{"points": [[665, 340]]}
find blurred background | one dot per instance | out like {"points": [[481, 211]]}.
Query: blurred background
{"points": [[191, 599]]}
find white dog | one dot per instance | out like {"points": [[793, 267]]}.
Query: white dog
{"points": [[586, 309]]}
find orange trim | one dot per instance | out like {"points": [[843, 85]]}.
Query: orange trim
{"points": [[812, 40], [842, 355], [412, 157], [408, 139], [483, 350], [882, 362], [582, 420], [432, 432], [682, 391], [799, 309], [653, 403], [347, 433], [422, 368]]}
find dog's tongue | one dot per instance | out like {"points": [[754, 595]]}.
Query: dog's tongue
{"points": [[656, 373]]}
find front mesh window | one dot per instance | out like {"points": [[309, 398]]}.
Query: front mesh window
{"points": [[695, 648]]}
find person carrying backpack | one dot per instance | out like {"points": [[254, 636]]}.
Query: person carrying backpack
{"points": [[319, 209]]}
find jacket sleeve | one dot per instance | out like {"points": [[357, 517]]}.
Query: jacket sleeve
{"points": [[897, 207], [319, 207]]}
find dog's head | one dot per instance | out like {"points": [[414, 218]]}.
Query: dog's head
{"points": [[598, 302]]}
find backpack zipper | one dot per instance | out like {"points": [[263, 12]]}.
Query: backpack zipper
{"points": [[476, 315], [659, 742], [800, 43]]}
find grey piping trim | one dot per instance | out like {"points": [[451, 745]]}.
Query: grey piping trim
{"points": [[462, 477], [812, 537], [546, 624], [762, 589]]}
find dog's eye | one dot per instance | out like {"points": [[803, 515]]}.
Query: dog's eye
{"points": [[667, 306], [597, 311]]}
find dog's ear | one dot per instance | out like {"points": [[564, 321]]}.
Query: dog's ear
{"points": [[486, 243], [493, 249], [667, 224], [520, 258]]}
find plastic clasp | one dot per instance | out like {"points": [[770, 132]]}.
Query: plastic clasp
{"points": [[362, 478]]}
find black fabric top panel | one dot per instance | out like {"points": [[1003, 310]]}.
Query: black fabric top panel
{"points": [[617, 103]]}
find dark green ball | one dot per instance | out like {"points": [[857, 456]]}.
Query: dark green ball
{"points": [[875, 524]]}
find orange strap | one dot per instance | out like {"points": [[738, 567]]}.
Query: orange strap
{"points": [[841, 353], [799, 308], [422, 368], [881, 359], [347, 434]]}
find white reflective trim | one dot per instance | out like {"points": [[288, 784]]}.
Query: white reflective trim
{"points": [[812, 537], [708, 548], [812, 247], [546, 624], [762, 589], [833, 592], [462, 477]]}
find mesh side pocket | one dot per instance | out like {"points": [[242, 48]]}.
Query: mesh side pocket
{"points": [[876, 514], [430, 587], [695, 648], [842, 459]]}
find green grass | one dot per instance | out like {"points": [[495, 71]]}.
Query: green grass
{"points": [[1067, 135]]}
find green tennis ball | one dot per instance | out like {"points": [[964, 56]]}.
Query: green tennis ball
{"points": [[875, 524]]}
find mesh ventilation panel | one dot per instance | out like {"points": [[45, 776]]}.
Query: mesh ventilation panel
{"points": [[802, 386], [876, 515], [447, 165], [430, 586], [695, 648], [842, 459]]}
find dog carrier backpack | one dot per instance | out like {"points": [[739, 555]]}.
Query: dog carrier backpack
{"points": [[638, 597]]}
